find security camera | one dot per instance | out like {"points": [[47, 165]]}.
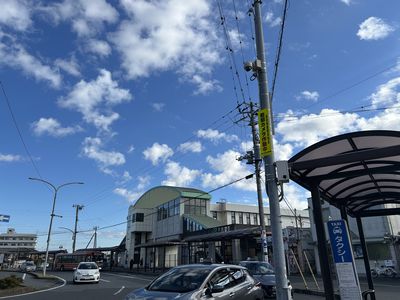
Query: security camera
{"points": [[248, 66]]}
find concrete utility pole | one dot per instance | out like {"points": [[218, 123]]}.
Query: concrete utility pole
{"points": [[77, 209], [95, 237], [254, 158], [259, 67]]}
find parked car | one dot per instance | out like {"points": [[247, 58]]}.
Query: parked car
{"points": [[86, 272], [199, 281], [28, 266], [264, 273]]}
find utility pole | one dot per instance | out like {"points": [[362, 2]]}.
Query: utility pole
{"points": [[260, 70], [77, 209], [95, 237], [254, 158]]}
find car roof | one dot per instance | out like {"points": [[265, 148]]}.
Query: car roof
{"points": [[208, 266]]}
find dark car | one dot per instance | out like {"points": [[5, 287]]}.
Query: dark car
{"points": [[264, 273], [201, 282]]}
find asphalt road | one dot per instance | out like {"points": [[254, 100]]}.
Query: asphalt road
{"points": [[118, 285], [111, 286]]}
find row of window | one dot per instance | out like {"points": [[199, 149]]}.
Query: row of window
{"points": [[190, 225], [6, 238], [238, 218], [17, 244], [168, 209]]}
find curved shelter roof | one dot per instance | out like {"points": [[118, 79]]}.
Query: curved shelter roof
{"points": [[162, 194], [358, 171]]}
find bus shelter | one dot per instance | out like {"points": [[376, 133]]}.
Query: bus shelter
{"points": [[359, 173]]}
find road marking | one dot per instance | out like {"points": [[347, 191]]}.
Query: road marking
{"points": [[126, 276], [104, 280], [23, 277], [119, 291], [41, 291]]}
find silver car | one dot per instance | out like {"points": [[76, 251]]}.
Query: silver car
{"points": [[201, 282]]}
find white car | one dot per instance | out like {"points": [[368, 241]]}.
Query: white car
{"points": [[87, 272], [28, 266]]}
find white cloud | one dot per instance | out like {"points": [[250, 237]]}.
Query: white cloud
{"points": [[195, 147], [15, 14], [271, 20], [99, 47], [309, 129], [87, 17], [374, 29], [136, 192], [131, 149], [92, 148], [69, 66], [179, 35], [387, 120], [9, 157], [215, 135], [158, 153], [52, 127], [178, 175], [15, 55], [308, 95], [387, 93], [158, 106], [282, 151], [296, 196], [95, 98], [347, 2], [204, 87], [228, 169]]}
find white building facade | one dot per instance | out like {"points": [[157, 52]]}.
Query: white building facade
{"points": [[13, 240]]}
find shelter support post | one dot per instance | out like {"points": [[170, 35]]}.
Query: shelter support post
{"points": [[343, 215], [322, 248], [365, 256]]}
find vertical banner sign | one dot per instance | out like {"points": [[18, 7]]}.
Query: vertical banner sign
{"points": [[265, 133], [344, 261]]}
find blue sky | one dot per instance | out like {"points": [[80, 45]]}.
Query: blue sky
{"points": [[127, 95]]}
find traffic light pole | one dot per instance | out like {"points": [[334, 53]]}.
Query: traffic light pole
{"points": [[282, 288]]}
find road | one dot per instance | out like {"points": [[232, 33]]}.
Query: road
{"points": [[118, 285], [111, 286]]}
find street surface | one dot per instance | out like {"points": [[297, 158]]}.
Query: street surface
{"points": [[118, 285]]}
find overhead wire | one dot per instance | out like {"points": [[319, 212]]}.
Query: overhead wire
{"points": [[14, 119]]}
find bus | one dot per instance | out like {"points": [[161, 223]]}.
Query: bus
{"points": [[69, 261]]}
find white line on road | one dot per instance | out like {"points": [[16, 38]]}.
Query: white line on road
{"points": [[41, 291], [101, 279], [132, 277], [119, 291]]}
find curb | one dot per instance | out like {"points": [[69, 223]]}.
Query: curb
{"points": [[312, 293]]}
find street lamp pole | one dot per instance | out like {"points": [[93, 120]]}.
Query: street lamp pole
{"points": [[51, 215]]}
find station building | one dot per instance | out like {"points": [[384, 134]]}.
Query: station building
{"points": [[168, 226]]}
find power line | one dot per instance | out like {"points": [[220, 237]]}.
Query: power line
{"points": [[279, 48], [19, 131]]}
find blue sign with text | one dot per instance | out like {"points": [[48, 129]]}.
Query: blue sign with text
{"points": [[340, 243]]}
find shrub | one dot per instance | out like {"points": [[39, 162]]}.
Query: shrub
{"points": [[10, 282]]}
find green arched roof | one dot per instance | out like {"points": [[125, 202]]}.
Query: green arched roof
{"points": [[162, 194]]}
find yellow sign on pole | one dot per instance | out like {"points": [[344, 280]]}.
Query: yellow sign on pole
{"points": [[265, 132]]}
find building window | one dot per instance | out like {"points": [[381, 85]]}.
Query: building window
{"points": [[240, 218], [215, 215], [195, 206], [168, 209], [248, 218], [255, 219], [233, 217], [139, 217], [133, 218]]}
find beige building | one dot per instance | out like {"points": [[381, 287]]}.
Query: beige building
{"points": [[13, 240]]}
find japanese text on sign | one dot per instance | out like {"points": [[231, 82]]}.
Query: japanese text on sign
{"points": [[265, 132]]}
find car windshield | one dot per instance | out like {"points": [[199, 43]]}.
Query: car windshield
{"points": [[87, 266], [258, 268], [30, 263], [180, 280]]}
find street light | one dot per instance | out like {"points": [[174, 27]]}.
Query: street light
{"points": [[73, 233], [52, 214]]}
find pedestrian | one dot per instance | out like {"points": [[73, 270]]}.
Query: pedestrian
{"points": [[131, 264]]}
